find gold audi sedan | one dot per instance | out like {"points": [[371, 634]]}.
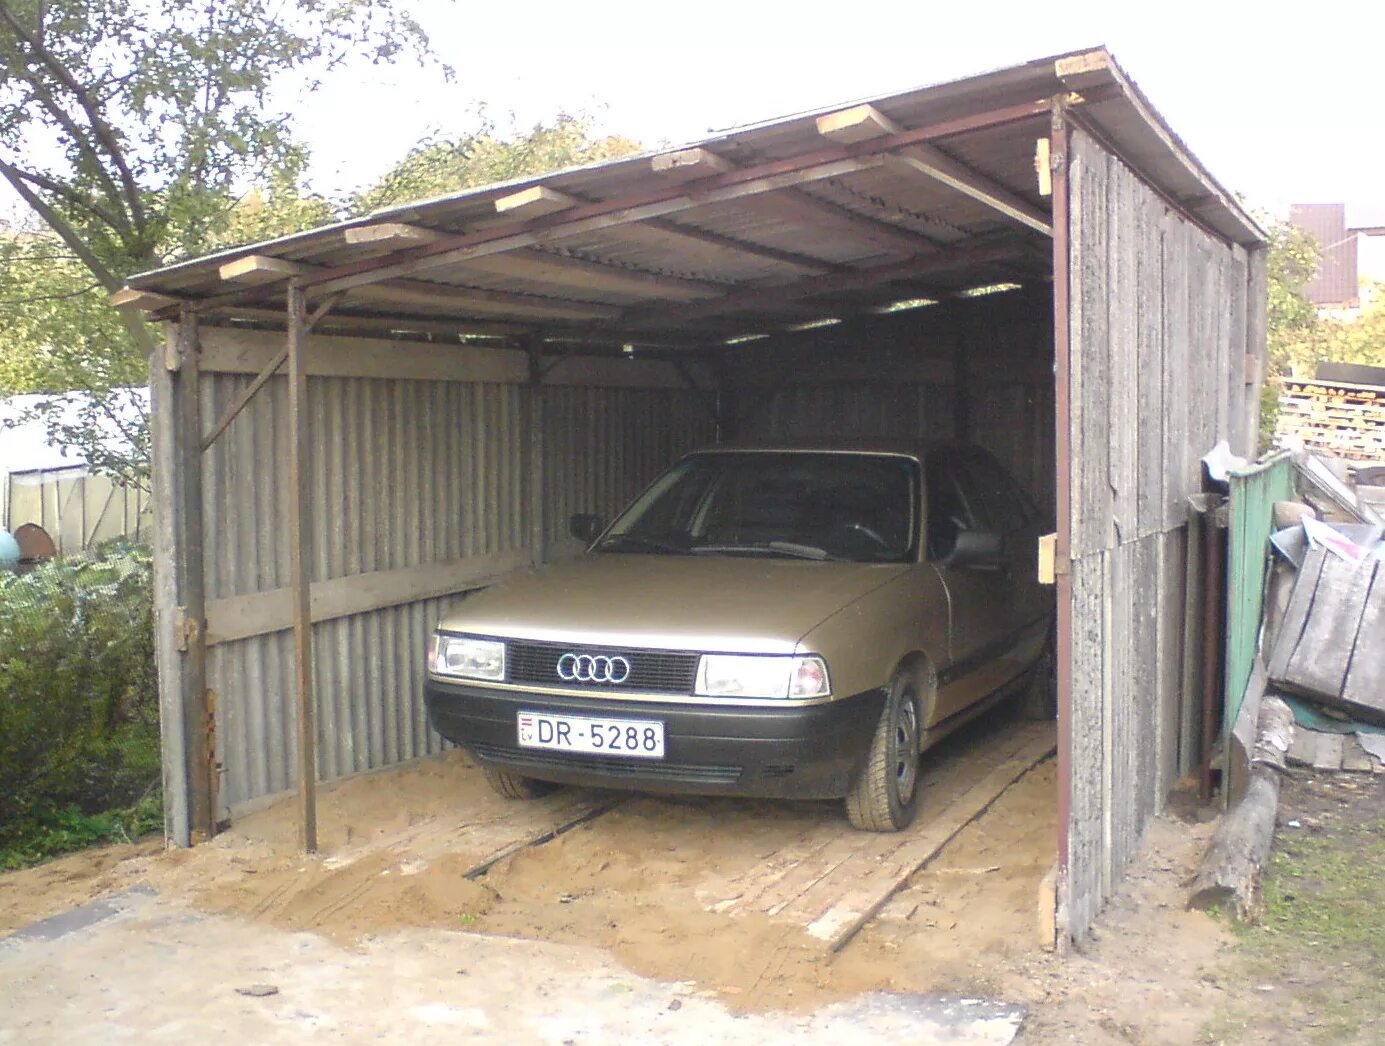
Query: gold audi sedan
{"points": [[783, 621]]}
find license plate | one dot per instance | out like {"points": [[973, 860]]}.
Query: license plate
{"points": [[637, 738]]}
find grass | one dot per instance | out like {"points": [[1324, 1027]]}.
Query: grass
{"points": [[64, 830], [1312, 967]]}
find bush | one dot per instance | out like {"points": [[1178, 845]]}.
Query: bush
{"points": [[79, 727]]}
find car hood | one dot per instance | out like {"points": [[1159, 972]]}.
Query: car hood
{"points": [[735, 604]]}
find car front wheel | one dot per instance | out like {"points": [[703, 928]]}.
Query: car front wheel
{"points": [[884, 797], [516, 786]]}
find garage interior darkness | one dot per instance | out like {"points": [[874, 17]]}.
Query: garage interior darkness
{"points": [[356, 425]]}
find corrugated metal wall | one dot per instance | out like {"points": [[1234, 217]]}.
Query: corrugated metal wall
{"points": [[1159, 334], [978, 370], [602, 446], [404, 472]]}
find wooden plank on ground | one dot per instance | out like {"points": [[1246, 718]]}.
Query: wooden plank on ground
{"points": [[1315, 748], [859, 874], [1296, 616]]}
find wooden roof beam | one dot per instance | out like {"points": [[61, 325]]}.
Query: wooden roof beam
{"points": [[255, 269], [485, 301], [534, 202], [586, 274], [560, 269], [258, 269], [393, 235], [864, 122], [140, 301]]}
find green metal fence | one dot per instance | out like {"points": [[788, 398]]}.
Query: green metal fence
{"points": [[1254, 490]]}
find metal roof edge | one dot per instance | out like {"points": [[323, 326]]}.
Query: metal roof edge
{"points": [[1086, 68], [1075, 69]]}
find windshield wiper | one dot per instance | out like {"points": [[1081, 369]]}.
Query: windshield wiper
{"points": [[775, 548], [640, 541]]}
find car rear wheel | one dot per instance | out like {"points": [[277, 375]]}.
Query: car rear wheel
{"points": [[884, 797], [516, 786]]}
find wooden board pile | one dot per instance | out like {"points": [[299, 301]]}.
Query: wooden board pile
{"points": [[1329, 648], [1334, 417]]}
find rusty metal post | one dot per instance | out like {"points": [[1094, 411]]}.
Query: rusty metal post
{"points": [[1058, 164], [1213, 629], [300, 556]]}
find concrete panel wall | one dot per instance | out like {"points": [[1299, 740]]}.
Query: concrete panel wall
{"points": [[1159, 333], [422, 488]]}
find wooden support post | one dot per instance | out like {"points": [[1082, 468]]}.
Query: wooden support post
{"points": [[300, 556], [180, 594]]}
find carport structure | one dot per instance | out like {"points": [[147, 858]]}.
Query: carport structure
{"points": [[357, 424]]}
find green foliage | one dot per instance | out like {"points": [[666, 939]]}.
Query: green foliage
{"points": [[79, 732], [489, 154], [130, 126], [131, 129]]}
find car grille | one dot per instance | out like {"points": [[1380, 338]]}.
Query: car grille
{"points": [[651, 671], [614, 768]]}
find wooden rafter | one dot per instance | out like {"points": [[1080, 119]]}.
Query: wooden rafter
{"points": [[257, 269], [560, 269], [863, 123]]}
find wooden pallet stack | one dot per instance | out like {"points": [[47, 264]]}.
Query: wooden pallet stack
{"points": [[1337, 418]]}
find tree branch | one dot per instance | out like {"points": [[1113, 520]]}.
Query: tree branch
{"points": [[73, 197], [60, 226], [50, 297], [104, 132]]}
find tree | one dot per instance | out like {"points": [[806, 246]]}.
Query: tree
{"points": [[130, 128], [491, 153], [60, 334], [1292, 320]]}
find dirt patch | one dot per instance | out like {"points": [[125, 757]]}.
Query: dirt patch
{"points": [[642, 882]]}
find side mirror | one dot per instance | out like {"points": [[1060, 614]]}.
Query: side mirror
{"points": [[977, 550], [585, 526]]}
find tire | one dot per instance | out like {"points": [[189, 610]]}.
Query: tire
{"points": [[1039, 699], [515, 786], [885, 795]]}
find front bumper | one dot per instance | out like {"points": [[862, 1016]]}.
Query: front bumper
{"points": [[808, 752]]}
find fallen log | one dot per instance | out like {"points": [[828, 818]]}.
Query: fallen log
{"points": [[1230, 872]]}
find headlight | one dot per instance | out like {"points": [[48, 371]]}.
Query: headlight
{"points": [[466, 657], [736, 675]]}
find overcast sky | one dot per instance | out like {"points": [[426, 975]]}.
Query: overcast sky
{"points": [[1284, 103]]}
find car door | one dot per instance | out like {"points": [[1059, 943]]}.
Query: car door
{"points": [[1002, 507], [978, 618]]}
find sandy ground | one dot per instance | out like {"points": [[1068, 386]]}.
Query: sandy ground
{"points": [[631, 887]]}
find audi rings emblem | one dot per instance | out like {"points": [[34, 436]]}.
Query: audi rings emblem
{"points": [[586, 668]]}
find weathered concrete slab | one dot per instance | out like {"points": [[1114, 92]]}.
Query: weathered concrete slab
{"points": [[155, 971]]}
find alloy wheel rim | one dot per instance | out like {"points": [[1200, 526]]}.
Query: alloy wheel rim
{"points": [[905, 738]]}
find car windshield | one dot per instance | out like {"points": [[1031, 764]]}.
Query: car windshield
{"points": [[856, 507]]}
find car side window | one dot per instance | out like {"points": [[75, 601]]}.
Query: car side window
{"points": [[1000, 505], [948, 511]]}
